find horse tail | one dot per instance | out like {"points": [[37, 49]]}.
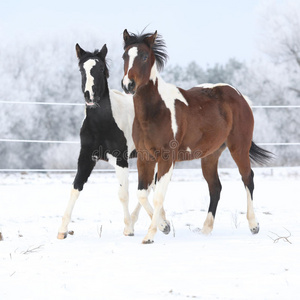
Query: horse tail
{"points": [[260, 155]]}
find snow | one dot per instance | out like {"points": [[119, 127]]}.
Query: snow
{"points": [[98, 262]]}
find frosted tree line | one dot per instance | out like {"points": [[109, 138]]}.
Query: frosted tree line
{"points": [[47, 71]]}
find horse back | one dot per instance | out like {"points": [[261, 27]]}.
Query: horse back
{"points": [[212, 114], [220, 100]]}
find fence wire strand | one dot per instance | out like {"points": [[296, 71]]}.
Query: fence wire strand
{"points": [[77, 142]]}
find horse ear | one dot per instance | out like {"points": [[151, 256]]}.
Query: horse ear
{"points": [[126, 35], [151, 39], [103, 52], [79, 51]]}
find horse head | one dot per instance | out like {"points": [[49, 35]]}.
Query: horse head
{"points": [[94, 74], [144, 55]]}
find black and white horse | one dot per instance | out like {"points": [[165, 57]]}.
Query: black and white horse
{"points": [[106, 134]]}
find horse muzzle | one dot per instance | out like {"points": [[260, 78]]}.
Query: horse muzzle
{"points": [[129, 86], [91, 103]]}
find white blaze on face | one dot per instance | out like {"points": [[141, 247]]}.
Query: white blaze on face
{"points": [[132, 54], [88, 65]]}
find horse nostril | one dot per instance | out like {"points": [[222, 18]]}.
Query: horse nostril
{"points": [[128, 85], [87, 95], [131, 85]]}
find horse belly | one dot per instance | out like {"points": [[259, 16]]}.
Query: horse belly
{"points": [[205, 141]]}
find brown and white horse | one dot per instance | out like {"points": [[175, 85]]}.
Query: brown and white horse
{"points": [[172, 124]]}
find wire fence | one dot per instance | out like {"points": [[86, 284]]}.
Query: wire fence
{"points": [[77, 142]]}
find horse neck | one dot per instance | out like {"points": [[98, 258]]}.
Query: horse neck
{"points": [[104, 95], [103, 111], [159, 83], [148, 96], [154, 86]]}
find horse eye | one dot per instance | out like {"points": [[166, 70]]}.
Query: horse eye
{"points": [[145, 57]]}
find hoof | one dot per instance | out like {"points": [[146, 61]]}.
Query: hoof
{"points": [[165, 227], [206, 230], [62, 235], [255, 230], [147, 242], [129, 234]]}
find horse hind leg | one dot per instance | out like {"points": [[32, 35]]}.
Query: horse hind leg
{"points": [[253, 224], [210, 172], [242, 160]]}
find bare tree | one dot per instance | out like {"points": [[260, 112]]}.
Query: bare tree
{"points": [[280, 27]]}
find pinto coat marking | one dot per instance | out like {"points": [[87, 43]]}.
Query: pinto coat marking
{"points": [[106, 133], [172, 124]]}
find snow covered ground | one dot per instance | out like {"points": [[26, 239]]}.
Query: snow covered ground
{"points": [[231, 263]]}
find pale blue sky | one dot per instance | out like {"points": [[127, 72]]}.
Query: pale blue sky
{"points": [[204, 31]]}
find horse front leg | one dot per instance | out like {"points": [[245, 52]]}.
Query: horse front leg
{"points": [[84, 169], [163, 226], [146, 181], [165, 170], [63, 229]]}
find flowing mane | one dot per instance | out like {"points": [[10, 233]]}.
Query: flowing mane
{"points": [[158, 48]]}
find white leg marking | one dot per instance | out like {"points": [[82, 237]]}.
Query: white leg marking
{"points": [[122, 176], [143, 200], [135, 214], [253, 225], [208, 224], [132, 53], [159, 196], [88, 65], [63, 229]]}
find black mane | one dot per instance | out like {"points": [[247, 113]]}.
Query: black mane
{"points": [[94, 55], [158, 48]]}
